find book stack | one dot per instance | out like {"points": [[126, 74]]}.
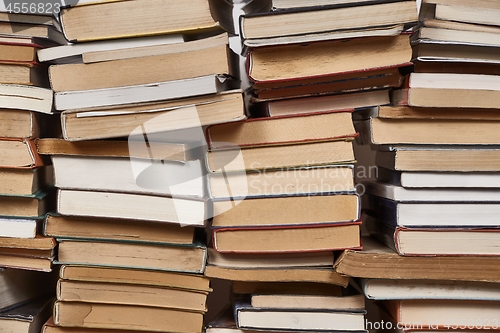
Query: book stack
{"points": [[435, 198], [131, 209], [25, 107]]}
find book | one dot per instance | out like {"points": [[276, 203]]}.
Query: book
{"points": [[18, 228], [59, 226], [24, 124], [430, 51], [25, 18], [26, 98], [128, 317], [299, 211], [434, 241], [131, 206], [18, 286], [439, 158], [178, 18], [172, 151], [415, 179], [380, 131], [353, 82], [28, 317], [276, 260], [410, 112], [75, 52], [45, 32], [140, 70], [286, 181], [329, 59], [201, 85], [131, 294], [430, 213], [31, 206], [318, 302], [324, 103], [23, 73], [19, 153], [161, 116], [259, 132], [441, 195], [124, 175], [315, 275], [314, 238], [15, 261], [444, 313], [189, 259], [386, 289], [462, 12], [25, 182], [314, 19], [459, 90], [27, 253], [379, 261], [288, 4], [118, 275], [458, 36], [281, 157], [50, 327], [248, 317]]}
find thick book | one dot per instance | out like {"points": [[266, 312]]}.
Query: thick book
{"points": [[131, 294], [417, 179], [19, 228], [59, 226], [19, 154], [450, 90], [25, 181], [270, 131], [171, 151], [132, 206], [248, 317], [439, 158], [28, 317], [289, 211], [126, 317], [445, 314], [314, 238], [329, 59], [379, 261], [17, 52], [129, 17], [430, 213], [19, 286], [189, 259], [125, 175], [290, 181], [127, 276], [32, 206], [388, 289], [140, 70], [380, 131], [123, 120], [458, 36], [281, 157], [267, 261], [484, 13], [23, 73], [24, 97], [25, 124], [312, 21], [316, 276], [435, 241]]}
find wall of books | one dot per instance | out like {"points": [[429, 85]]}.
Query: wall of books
{"points": [[206, 166]]}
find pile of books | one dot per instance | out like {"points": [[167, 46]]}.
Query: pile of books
{"points": [[435, 200], [26, 193]]}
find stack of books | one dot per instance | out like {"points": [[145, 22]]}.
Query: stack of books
{"points": [[146, 76], [26, 193], [434, 202]]}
